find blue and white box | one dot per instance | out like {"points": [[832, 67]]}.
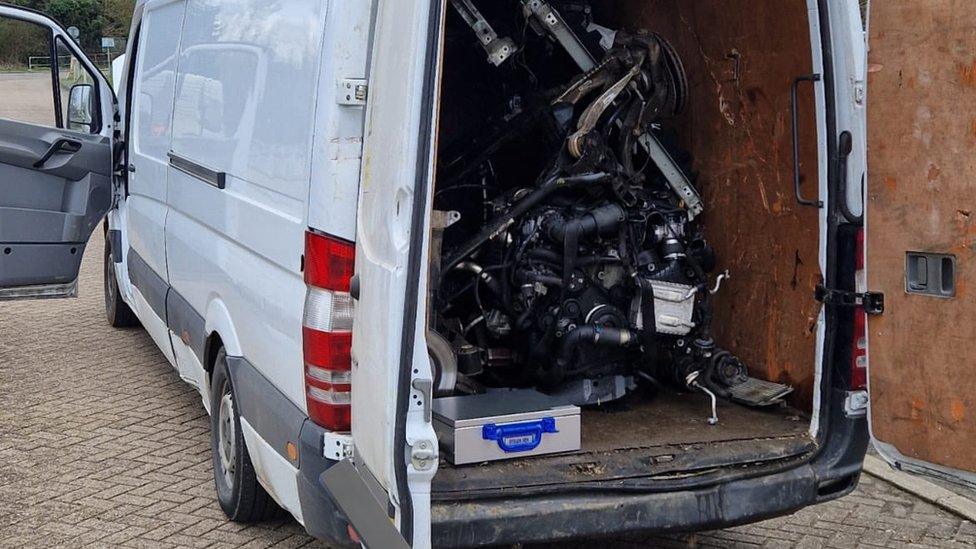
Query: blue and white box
{"points": [[504, 424]]}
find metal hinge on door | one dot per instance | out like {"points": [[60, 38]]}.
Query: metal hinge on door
{"points": [[352, 91], [873, 303]]}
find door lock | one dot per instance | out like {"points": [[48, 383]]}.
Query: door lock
{"points": [[873, 303]]}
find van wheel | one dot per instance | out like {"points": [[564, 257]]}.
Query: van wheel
{"points": [[119, 314], [240, 495]]}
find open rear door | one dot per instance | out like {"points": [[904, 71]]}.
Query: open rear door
{"points": [[57, 122], [921, 234], [394, 440]]}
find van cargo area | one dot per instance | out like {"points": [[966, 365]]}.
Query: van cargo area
{"points": [[615, 225]]}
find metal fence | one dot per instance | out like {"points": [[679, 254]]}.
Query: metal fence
{"points": [[101, 59]]}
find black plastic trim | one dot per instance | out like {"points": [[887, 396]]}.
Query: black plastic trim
{"points": [[275, 418], [323, 520], [152, 286], [203, 173], [188, 325], [845, 146], [115, 244]]}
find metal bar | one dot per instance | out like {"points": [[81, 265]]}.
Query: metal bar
{"points": [[553, 23], [203, 173], [676, 177], [499, 49], [796, 140]]}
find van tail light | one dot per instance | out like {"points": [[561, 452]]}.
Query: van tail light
{"points": [[327, 330], [859, 356]]}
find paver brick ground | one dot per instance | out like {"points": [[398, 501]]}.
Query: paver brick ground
{"points": [[102, 445]]}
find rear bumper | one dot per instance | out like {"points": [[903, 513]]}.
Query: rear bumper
{"points": [[322, 517], [574, 515], [833, 473]]}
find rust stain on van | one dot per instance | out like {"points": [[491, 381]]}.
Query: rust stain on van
{"points": [[957, 410], [967, 74], [917, 410], [934, 172], [891, 183]]}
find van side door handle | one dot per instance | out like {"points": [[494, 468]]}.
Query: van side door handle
{"points": [[60, 145]]}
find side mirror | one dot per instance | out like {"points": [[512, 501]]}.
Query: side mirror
{"points": [[81, 108]]}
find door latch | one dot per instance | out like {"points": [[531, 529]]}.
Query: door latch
{"points": [[873, 303], [352, 91]]}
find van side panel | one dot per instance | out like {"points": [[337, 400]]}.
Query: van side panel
{"points": [[151, 130], [244, 108], [338, 141], [242, 138]]}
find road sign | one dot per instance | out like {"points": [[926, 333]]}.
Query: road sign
{"points": [[74, 32], [108, 43]]}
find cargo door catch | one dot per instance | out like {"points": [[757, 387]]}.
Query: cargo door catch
{"points": [[352, 92], [873, 303]]}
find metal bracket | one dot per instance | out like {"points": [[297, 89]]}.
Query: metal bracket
{"points": [[423, 454], [548, 20], [352, 92], [873, 303], [676, 178], [499, 49], [337, 446], [856, 403], [426, 388]]}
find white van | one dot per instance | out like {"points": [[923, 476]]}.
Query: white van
{"points": [[320, 211]]}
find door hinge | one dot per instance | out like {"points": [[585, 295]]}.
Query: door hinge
{"points": [[352, 91], [873, 303]]}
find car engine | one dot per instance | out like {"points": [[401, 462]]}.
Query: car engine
{"points": [[567, 252]]}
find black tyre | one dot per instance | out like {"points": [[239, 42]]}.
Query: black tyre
{"points": [[119, 314], [240, 495]]}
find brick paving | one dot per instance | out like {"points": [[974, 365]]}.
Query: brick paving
{"points": [[102, 444]]}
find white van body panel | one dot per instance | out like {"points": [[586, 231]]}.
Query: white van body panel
{"points": [[118, 70], [191, 369], [338, 141], [234, 113], [823, 171], [274, 472], [150, 132]]}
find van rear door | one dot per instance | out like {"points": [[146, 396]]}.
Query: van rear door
{"points": [[56, 137], [921, 234], [393, 436]]}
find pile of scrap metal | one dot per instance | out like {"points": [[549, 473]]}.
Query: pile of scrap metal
{"points": [[588, 276]]}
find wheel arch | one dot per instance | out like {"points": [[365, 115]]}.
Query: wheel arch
{"points": [[220, 332]]}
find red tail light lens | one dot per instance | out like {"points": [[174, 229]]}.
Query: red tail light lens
{"points": [[327, 330], [859, 356], [329, 262]]}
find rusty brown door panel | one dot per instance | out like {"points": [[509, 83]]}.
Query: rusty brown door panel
{"points": [[922, 198]]}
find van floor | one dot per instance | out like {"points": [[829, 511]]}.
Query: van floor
{"points": [[661, 436]]}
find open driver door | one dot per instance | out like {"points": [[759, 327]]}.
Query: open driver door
{"points": [[921, 234]]}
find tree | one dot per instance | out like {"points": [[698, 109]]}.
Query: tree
{"points": [[118, 17], [84, 14]]}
